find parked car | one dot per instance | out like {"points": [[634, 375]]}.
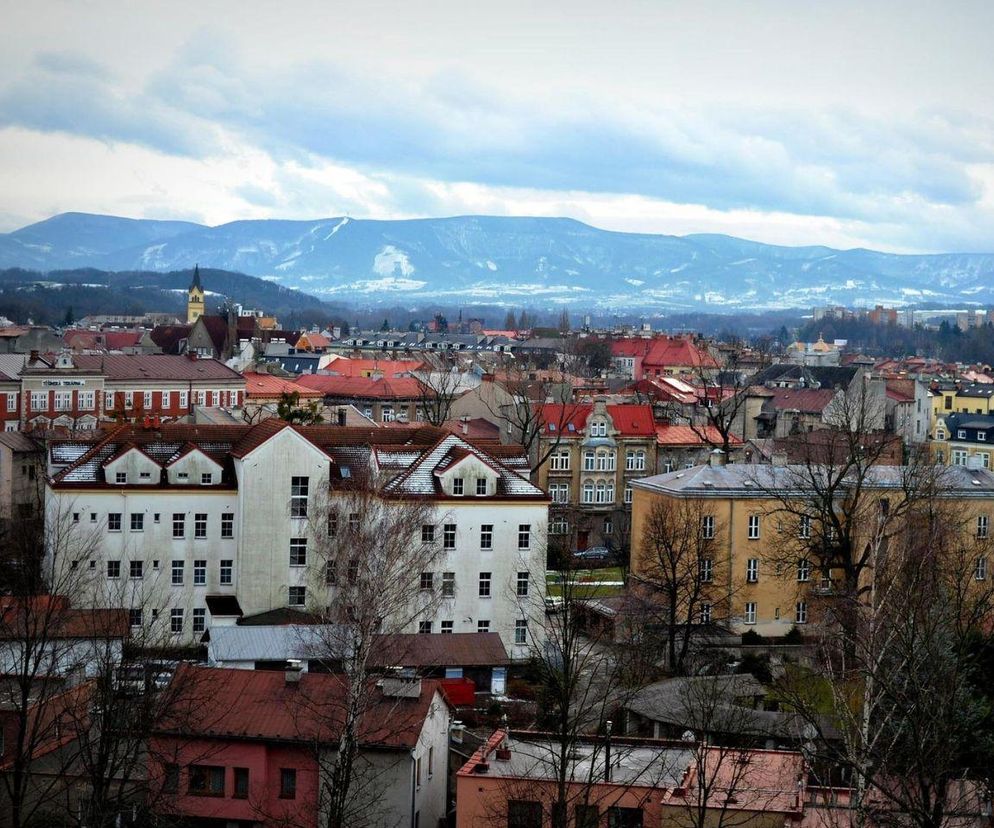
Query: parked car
{"points": [[593, 555]]}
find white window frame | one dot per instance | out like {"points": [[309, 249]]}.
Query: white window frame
{"points": [[750, 612]]}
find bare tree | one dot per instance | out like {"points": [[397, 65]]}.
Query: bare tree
{"points": [[371, 552], [902, 677], [678, 567], [439, 388], [724, 396]]}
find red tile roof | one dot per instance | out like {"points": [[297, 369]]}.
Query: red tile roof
{"points": [[347, 367], [807, 400], [631, 420], [268, 386], [260, 704], [401, 388], [155, 367], [664, 351], [57, 620], [453, 650], [684, 435]]}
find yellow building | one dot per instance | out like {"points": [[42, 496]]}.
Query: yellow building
{"points": [[195, 300], [962, 398], [762, 575], [963, 440]]}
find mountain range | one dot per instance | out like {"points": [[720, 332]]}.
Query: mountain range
{"points": [[491, 259]]}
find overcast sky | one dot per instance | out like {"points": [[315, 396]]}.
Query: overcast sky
{"points": [[797, 122]]}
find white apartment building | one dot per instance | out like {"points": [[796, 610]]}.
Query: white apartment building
{"points": [[188, 526]]}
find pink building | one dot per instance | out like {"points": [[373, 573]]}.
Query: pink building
{"points": [[251, 747]]}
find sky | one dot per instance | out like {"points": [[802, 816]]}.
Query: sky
{"points": [[786, 121]]}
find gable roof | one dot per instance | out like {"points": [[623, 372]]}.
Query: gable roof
{"points": [[269, 386], [261, 705], [630, 419], [684, 435], [381, 388]]}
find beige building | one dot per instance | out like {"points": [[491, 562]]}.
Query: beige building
{"points": [[755, 534]]}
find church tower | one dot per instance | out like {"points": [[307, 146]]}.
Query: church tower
{"points": [[195, 302]]}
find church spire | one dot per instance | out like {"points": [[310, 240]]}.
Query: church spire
{"points": [[196, 278]]}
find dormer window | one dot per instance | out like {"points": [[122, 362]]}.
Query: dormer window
{"points": [[457, 486], [961, 434], [940, 435], [982, 436], [598, 429], [481, 487]]}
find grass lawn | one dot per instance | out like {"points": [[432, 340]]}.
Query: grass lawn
{"points": [[589, 576]]}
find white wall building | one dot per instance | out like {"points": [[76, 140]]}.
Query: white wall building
{"points": [[192, 519]]}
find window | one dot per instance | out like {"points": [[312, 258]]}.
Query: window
{"points": [[483, 625], [199, 619], [184, 399], [559, 492], [524, 813], [804, 570], [587, 816], [206, 479], [705, 613], [448, 584], [521, 631], [588, 460], [137, 570], [485, 584], [598, 429], [752, 570], [227, 525], [605, 461], [200, 525], [297, 596], [981, 436], [166, 397], [487, 536], [481, 487], [750, 613], [298, 551], [559, 460], [177, 573], [199, 573], [558, 526], [129, 399], [427, 533], [182, 477], [298, 496], [449, 536], [427, 582], [608, 526], [628, 495], [624, 817], [588, 492], [121, 478], [113, 569], [288, 783], [179, 524], [959, 457], [980, 569], [707, 526], [961, 434], [457, 486], [11, 402], [241, 783], [176, 620], [137, 521], [635, 460], [424, 627], [801, 613], [135, 617], [387, 414], [753, 527], [804, 526], [522, 585], [63, 400], [524, 535], [170, 778], [446, 627], [206, 780], [39, 400], [947, 403], [705, 568]]}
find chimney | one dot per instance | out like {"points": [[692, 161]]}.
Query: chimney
{"points": [[342, 414], [779, 458], [191, 355], [718, 458], [34, 356], [291, 675], [465, 423]]}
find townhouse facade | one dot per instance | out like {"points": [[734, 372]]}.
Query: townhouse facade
{"points": [[595, 452], [963, 440], [742, 508], [381, 399], [78, 391], [197, 525]]}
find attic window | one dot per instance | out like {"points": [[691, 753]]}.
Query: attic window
{"points": [[346, 472], [182, 476], [121, 477], [145, 475]]}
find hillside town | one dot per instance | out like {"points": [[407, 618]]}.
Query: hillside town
{"points": [[490, 577]]}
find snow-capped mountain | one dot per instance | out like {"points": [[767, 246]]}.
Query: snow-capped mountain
{"points": [[503, 259]]}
